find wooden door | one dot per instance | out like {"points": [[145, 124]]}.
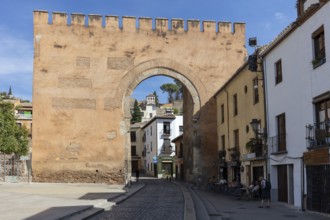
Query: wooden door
{"points": [[282, 180]]}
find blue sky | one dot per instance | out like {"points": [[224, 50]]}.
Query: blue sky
{"points": [[264, 19]]}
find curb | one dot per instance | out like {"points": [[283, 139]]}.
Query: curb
{"points": [[121, 198], [189, 208], [97, 208]]}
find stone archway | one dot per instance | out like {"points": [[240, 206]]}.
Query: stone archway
{"points": [[84, 73], [165, 67], [144, 71]]}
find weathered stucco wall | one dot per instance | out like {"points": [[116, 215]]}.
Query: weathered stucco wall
{"points": [[84, 74]]}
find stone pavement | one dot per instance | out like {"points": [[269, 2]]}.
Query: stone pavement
{"points": [[34, 201], [223, 207]]}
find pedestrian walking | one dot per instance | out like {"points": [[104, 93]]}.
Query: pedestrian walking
{"points": [[265, 192], [137, 174]]}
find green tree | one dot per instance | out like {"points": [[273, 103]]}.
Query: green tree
{"points": [[136, 113], [13, 139], [156, 98], [179, 93], [171, 89]]}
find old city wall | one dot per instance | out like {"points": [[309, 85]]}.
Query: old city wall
{"points": [[85, 69]]}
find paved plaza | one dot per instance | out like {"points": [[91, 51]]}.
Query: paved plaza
{"points": [[34, 201]]}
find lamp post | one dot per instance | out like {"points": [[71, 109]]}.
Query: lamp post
{"points": [[255, 124]]}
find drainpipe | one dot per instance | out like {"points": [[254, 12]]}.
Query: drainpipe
{"points": [[264, 76], [302, 185], [228, 134]]}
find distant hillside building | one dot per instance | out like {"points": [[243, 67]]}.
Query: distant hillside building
{"points": [[149, 108]]}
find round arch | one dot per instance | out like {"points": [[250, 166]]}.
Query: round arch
{"points": [[156, 67]]}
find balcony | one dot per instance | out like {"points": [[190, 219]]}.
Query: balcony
{"points": [[318, 135], [24, 116], [256, 149], [277, 144], [165, 133]]}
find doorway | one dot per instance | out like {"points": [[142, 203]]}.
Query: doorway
{"points": [[282, 181]]}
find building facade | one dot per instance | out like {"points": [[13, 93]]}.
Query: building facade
{"points": [[242, 152], [179, 163], [160, 152], [150, 108], [137, 147], [297, 93]]}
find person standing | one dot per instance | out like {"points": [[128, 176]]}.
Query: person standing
{"points": [[265, 192], [137, 174]]}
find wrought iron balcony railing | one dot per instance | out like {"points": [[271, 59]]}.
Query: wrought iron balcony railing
{"points": [[277, 144], [318, 135], [165, 133]]}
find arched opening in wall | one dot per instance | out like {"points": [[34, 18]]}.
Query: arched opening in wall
{"points": [[157, 106]]}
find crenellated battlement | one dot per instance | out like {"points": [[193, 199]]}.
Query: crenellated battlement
{"points": [[128, 23]]}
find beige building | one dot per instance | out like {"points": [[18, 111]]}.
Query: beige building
{"points": [[137, 147], [242, 153]]}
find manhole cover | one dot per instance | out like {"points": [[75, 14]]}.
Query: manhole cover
{"points": [[290, 216]]}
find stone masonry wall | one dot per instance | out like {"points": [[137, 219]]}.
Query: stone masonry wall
{"points": [[86, 69]]}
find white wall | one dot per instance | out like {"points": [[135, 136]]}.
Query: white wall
{"points": [[153, 138], [294, 95]]}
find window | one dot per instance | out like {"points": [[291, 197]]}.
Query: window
{"points": [[323, 110], [150, 130], [281, 132], [255, 91], [236, 139], [319, 47], [133, 136], [19, 124], [166, 128], [278, 72], [235, 104], [223, 142], [180, 128], [222, 113], [133, 150]]}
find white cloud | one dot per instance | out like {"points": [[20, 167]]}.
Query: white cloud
{"points": [[279, 16], [16, 54], [16, 63], [267, 25]]}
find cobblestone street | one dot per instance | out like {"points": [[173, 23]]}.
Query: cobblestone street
{"points": [[159, 199]]}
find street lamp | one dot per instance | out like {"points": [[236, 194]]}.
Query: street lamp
{"points": [[255, 123]]}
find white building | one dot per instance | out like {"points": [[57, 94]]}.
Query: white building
{"points": [[150, 108], [297, 83], [160, 152]]}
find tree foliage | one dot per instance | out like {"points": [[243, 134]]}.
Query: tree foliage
{"points": [[156, 98], [179, 93], [174, 90], [13, 139], [136, 113]]}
